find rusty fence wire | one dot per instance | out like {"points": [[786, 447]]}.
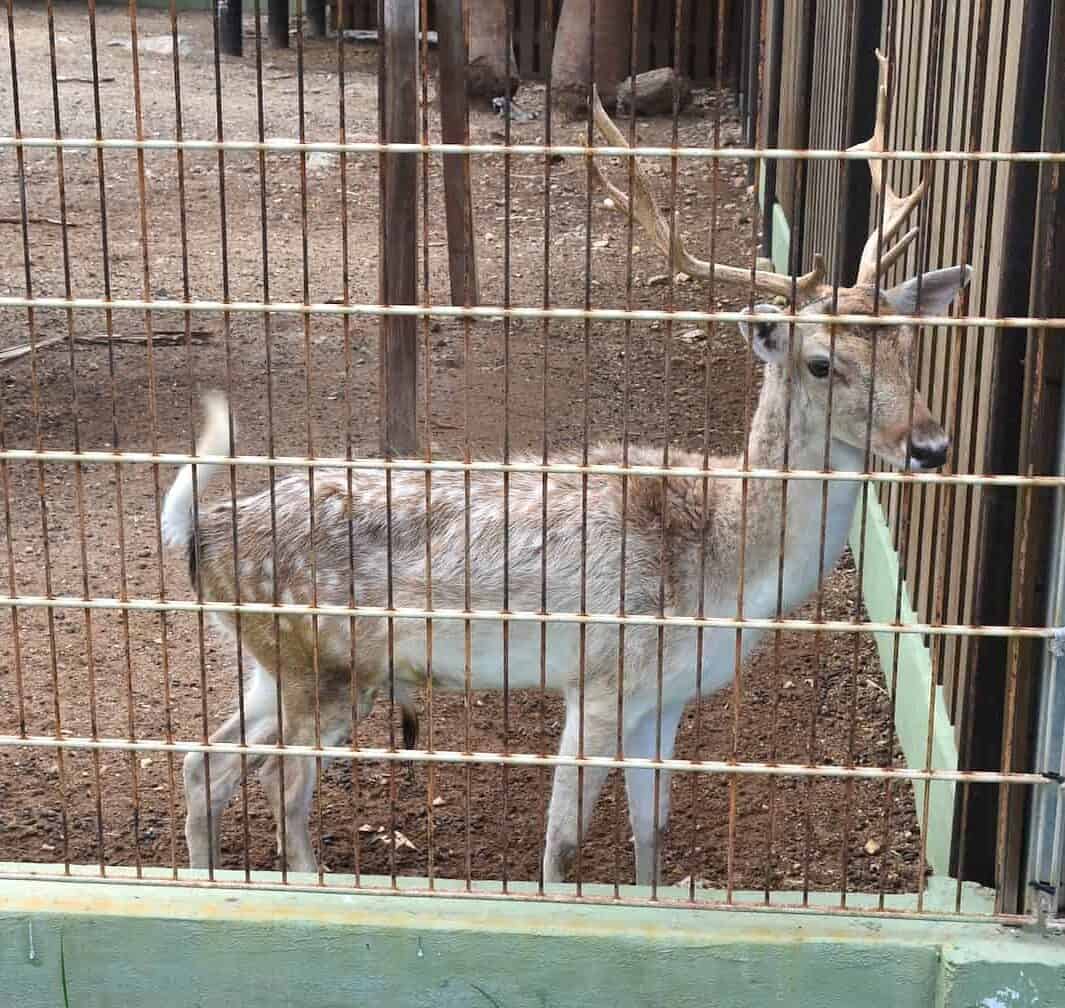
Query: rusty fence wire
{"points": [[593, 508]]}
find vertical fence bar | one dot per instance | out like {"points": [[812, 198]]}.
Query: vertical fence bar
{"points": [[1048, 818], [430, 776], [545, 447]]}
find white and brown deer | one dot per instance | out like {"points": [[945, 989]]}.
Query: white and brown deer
{"points": [[347, 542]]}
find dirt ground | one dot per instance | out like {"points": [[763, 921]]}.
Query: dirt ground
{"points": [[68, 533]]}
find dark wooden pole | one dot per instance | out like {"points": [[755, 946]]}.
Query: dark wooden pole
{"points": [[861, 119], [398, 234], [231, 27], [316, 17], [277, 22], [458, 193], [1028, 285]]}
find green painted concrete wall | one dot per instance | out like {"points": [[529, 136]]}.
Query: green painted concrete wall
{"points": [[97, 946], [916, 690]]}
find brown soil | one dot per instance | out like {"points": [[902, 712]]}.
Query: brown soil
{"points": [[97, 529]]}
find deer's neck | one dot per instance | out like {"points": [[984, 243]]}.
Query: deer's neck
{"points": [[794, 437]]}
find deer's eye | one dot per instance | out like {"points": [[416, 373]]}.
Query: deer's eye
{"points": [[819, 367]]}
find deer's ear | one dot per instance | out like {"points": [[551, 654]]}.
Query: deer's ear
{"points": [[768, 339], [938, 289]]}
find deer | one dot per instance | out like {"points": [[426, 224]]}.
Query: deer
{"points": [[688, 544]]}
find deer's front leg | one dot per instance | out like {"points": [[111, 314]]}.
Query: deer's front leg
{"points": [[640, 741], [599, 740]]}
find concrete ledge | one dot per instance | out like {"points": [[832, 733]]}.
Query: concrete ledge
{"points": [[90, 945]]}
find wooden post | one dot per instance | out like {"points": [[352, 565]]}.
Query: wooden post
{"points": [[277, 23], [231, 27], [492, 69], [571, 62], [458, 193], [861, 119], [398, 233], [316, 17]]}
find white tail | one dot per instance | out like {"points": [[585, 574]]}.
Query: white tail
{"points": [[214, 440]]}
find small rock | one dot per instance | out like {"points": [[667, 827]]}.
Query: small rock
{"points": [[321, 161], [157, 45], [872, 846], [438, 801], [651, 93]]}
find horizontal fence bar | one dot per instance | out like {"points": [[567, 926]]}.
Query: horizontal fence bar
{"points": [[280, 145], [370, 755], [479, 890], [497, 312], [59, 457], [501, 616]]}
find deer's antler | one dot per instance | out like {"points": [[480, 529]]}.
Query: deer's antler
{"points": [[645, 210], [896, 208]]}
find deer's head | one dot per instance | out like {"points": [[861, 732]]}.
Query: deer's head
{"points": [[856, 380]]}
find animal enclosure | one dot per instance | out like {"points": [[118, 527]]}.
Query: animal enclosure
{"points": [[180, 222]]}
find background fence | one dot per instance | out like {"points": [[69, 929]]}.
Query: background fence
{"points": [[967, 76], [656, 35]]}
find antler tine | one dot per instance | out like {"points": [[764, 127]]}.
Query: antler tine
{"points": [[645, 210], [896, 208]]}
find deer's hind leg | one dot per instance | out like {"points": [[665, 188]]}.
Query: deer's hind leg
{"points": [[316, 710], [293, 815], [211, 780]]}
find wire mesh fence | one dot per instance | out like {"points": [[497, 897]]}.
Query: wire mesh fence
{"points": [[607, 536]]}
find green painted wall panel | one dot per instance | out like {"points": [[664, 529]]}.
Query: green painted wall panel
{"points": [[127, 945], [915, 688], [986, 974]]}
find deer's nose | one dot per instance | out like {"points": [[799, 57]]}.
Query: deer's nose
{"points": [[930, 453]]}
